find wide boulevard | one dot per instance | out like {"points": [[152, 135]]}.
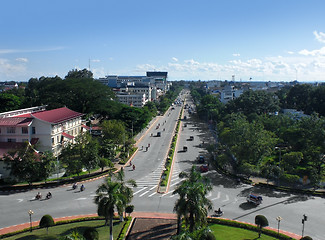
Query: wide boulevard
{"points": [[149, 162]]}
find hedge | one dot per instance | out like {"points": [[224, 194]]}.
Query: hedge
{"points": [[250, 227]]}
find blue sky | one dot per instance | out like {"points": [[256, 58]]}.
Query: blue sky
{"points": [[270, 40]]}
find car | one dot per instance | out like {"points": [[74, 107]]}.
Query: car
{"points": [[158, 134], [184, 149], [201, 159], [254, 198], [191, 138], [204, 168]]}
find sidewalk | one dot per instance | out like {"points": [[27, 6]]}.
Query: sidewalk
{"points": [[139, 215]]}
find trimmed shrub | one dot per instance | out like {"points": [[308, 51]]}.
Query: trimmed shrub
{"points": [[306, 238], [91, 233], [46, 222], [129, 209]]}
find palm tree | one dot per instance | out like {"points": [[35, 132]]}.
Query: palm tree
{"points": [[109, 196], [128, 192], [192, 203]]}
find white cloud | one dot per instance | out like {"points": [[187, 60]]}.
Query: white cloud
{"points": [[290, 52], [174, 59], [236, 54], [317, 52], [319, 36], [24, 60], [7, 51], [95, 60], [9, 70]]}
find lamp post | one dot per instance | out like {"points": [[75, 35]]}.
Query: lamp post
{"points": [[279, 220], [304, 219], [30, 212]]}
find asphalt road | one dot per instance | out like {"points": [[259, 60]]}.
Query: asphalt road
{"points": [[226, 194]]}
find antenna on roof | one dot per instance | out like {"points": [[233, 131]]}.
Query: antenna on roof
{"points": [[89, 65]]}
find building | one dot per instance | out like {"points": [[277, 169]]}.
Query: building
{"points": [[135, 100], [47, 130], [152, 85]]}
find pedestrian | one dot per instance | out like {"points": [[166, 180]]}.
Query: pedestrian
{"points": [[133, 167], [130, 163]]}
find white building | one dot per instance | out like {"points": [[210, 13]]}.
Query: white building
{"points": [[135, 100], [50, 129], [229, 93]]}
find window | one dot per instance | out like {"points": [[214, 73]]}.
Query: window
{"points": [[52, 140], [24, 130], [33, 130], [24, 140], [11, 140], [11, 130]]}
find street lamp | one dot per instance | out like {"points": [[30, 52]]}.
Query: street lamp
{"points": [[279, 220], [30, 212], [303, 224], [279, 168]]}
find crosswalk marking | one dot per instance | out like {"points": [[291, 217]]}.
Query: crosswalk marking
{"points": [[139, 191], [144, 193], [152, 194]]}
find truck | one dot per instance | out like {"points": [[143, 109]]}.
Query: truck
{"points": [[254, 198]]}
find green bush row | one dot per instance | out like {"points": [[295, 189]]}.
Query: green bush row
{"points": [[248, 227], [125, 228]]}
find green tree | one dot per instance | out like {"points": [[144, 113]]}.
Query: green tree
{"points": [[192, 204], [75, 73], [46, 222], [9, 102], [114, 131], [128, 192], [261, 221], [109, 196], [28, 166], [129, 209]]}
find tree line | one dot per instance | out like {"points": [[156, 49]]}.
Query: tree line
{"points": [[255, 138], [80, 92]]}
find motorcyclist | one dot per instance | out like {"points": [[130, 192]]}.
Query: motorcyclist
{"points": [[49, 195], [82, 188], [74, 186], [38, 195]]}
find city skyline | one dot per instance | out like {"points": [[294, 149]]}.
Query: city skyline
{"points": [[191, 40]]}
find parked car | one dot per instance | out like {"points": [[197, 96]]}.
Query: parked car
{"points": [[201, 159], [204, 168], [158, 134], [191, 138], [184, 149]]}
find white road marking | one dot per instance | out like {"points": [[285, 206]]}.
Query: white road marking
{"points": [[82, 198], [144, 193], [209, 194], [152, 194], [20, 200], [227, 198], [218, 196], [165, 194], [140, 190], [152, 188]]}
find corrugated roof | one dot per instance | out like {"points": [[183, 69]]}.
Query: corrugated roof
{"points": [[57, 115], [15, 122]]}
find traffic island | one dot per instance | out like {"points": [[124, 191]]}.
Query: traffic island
{"points": [[165, 176]]}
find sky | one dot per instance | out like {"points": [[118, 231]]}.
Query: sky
{"points": [[258, 40]]}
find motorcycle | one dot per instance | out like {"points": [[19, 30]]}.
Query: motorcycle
{"points": [[82, 188], [49, 195], [218, 213], [74, 186], [38, 196]]}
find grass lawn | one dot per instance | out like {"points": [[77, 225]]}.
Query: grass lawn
{"points": [[56, 232], [222, 232]]}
